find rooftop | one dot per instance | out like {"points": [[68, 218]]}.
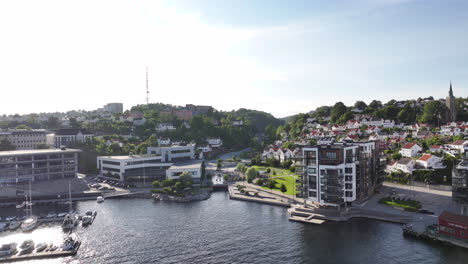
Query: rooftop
{"points": [[459, 219], [192, 164], [404, 161], [409, 145], [36, 151], [425, 157], [128, 157]]}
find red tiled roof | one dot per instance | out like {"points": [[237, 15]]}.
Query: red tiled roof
{"points": [[459, 142], [435, 147], [409, 145], [459, 219], [425, 157]]}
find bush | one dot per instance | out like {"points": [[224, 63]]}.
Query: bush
{"points": [[178, 185], [292, 169], [268, 170], [249, 180], [156, 184], [260, 182], [274, 172], [168, 183]]}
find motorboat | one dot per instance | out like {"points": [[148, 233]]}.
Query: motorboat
{"points": [[14, 225], [70, 221], [10, 218], [21, 205], [61, 215], [40, 247], [51, 215], [29, 224], [52, 248], [21, 218], [3, 227], [90, 213], [70, 244], [8, 250], [100, 199], [26, 247], [86, 220]]}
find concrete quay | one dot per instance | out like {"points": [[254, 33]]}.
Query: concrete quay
{"points": [[263, 197], [40, 255]]}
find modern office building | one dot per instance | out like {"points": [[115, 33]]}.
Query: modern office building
{"points": [[160, 163], [460, 183], [43, 164], [23, 139], [336, 173]]}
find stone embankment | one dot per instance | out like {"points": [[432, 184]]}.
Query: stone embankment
{"points": [[202, 195]]}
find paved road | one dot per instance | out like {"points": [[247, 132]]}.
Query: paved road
{"points": [[418, 189]]}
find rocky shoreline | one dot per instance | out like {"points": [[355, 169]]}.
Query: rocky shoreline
{"points": [[203, 195]]}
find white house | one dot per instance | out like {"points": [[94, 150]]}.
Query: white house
{"points": [[388, 123], [164, 141], [410, 150], [165, 127], [405, 164], [435, 148], [458, 145], [214, 142], [430, 161], [237, 123]]}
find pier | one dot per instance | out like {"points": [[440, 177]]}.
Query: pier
{"points": [[40, 255]]}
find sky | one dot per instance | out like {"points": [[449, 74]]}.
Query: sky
{"points": [[282, 57]]}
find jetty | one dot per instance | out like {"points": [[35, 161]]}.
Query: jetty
{"points": [[40, 255], [256, 196]]}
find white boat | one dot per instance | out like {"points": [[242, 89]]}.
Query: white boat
{"points": [[26, 247], [3, 227], [86, 220], [14, 225], [21, 205], [29, 224], [70, 221], [10, 218], [100, 199], [61, 215], [51, 215], [8, 250], [70, 244], [41, 246]]}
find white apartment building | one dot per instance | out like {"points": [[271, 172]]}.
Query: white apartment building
{"points": [[65, 137]]}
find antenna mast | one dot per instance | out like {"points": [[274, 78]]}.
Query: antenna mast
{"points": [[147, 89]]}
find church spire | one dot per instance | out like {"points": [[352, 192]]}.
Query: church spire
{"points": [[451, 91]]}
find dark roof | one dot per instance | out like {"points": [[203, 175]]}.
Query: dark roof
{"points": [[404, 161], [71, 131], [459, 219]]}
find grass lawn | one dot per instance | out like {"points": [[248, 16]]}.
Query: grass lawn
{"points": [[290, 182], [409, 205]]}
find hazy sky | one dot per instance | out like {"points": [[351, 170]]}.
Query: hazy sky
{"points": [[282, 57]]}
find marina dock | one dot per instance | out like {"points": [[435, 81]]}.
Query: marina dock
{"points": [[40, 255]]}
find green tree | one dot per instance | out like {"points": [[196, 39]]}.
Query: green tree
{"points": [[251, 174], [337, 111], [271, 184], [433, 113], [396, 156], [219, 164], [283, 188], [360, 105], [23, 127], [156, 184], [407, 114], [6, 145], [186, 179]]}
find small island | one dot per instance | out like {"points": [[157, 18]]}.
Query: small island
{"points": [[181, 190]]}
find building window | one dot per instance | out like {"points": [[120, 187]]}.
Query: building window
{"points": [[349, 194], [348, 170], [312, 170], [312, 194], [349, 186], [331, 155], [348, 178]]}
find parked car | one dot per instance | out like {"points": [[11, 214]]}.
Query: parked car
{"points": [[424, 211]]}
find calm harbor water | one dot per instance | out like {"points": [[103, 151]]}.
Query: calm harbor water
{"points": [[219, 230]]}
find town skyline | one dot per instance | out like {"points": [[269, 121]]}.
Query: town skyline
{"points": [[295, 56]]}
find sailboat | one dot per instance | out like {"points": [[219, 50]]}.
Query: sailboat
{"points": [[31, 221], [71, 219]]}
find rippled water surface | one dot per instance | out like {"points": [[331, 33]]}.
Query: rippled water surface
{"points": [[219, 230]]}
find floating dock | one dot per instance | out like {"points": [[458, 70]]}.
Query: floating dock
{"points": [[40, 255]]}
